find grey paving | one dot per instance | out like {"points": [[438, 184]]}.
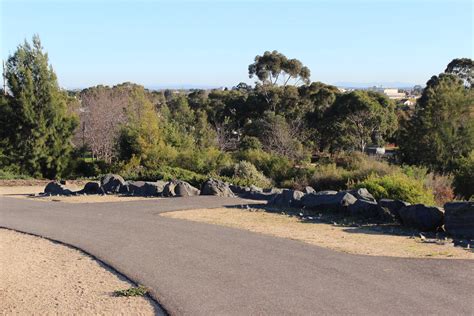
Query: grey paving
{"points": [[200, 269]]}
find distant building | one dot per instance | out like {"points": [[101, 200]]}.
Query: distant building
{"points": [[393, 93]]}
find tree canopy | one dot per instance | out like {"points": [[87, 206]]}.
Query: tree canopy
{"points": [[39, 127], [273, 68]]}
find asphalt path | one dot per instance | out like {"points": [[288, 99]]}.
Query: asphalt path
{"points": [[201, 269]]}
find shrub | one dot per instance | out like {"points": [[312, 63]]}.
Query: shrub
{"points": [[330, 177], [398, 186], [464, 177], [164, 173], [203, 161], [273, 166], [441, 186], [249, 143], [245, 173], [10, 174]]}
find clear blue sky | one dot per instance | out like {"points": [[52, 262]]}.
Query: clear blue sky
{"points": [[213, 42]]}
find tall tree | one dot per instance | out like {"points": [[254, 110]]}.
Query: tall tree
{"points": [[358, 119], [442, 127], [463, 68], [273, 68], [43, 128]]}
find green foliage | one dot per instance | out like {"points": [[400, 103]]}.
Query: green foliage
{"points": [[11, 174], [463, 68], [39, 126], [358, 119], [442, 128], [133, 291], [273, 166], [134, 171], [398, 186], [347, 170], [464, 177], [273, 66], [246, 174]]}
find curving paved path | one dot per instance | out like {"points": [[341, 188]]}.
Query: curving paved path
{"points": [[200, 269]]}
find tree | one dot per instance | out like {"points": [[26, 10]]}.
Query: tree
{"points": [[463, 68], [442, 127], [360, 118], [41, 138], [274, 67]]}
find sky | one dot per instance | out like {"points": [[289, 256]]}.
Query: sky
{"points": [[211, 43]]}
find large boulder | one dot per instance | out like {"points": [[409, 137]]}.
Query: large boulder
{"points": [[91, 188], [183, 188], [111, 183], [362, 194], [287, 198], [179, 188], [364, 208], [422, 217], [321, 202], [168, 189], [216, 187], [56, 188], [237, 189], [142, 188], [391, 207], [459, 219]]}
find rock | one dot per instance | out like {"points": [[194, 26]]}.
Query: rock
{"points": [[362, 194], [287, 198], [459, 219], [255, 188], [308, 190], [168, 190], [183, 188], [111, 183], [216, 187], [364, 208], [91, 188], [142, 188], [392, 207], [338, 202], [237, 189], [56, 188], [257, 195], [179, 188], [424, 218], [327, 192]]}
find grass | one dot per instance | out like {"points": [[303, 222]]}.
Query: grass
{"points": [[133, 291]]}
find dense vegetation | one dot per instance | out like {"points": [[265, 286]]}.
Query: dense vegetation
{"points": [[285, 131]]}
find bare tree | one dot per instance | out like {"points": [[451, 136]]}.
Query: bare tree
{"points": [[102, 111]]}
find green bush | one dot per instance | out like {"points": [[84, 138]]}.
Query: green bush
{"points": [[464, 177], [272, 166], [165, 173], [11, 174], [205, 161], [246, 174], [398, 186]]}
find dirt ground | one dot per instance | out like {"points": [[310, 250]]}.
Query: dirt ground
{"points": [[41, 277], [355, 240], [27, 192]]}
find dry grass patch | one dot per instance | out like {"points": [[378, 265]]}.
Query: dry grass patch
{"points": [[355, 240]]}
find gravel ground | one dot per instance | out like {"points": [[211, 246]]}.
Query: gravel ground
{"points": [[355, 240], [38, 276]]}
